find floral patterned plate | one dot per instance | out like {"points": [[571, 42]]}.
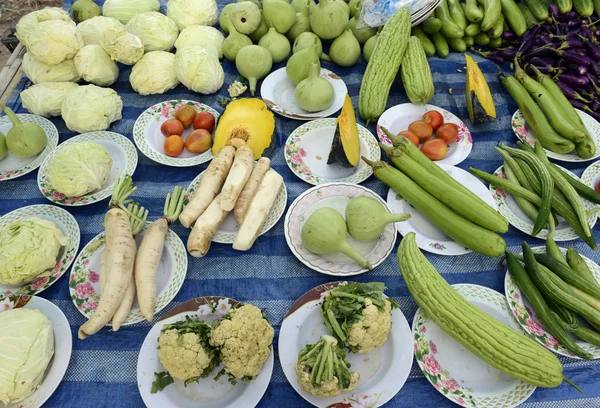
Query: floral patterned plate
{"points": [[277, 91], [508, 207], [522, 131], [150, 141], [228, 230], [530, 321], [591, 176], [307, 150], [397, 118], [11, 166], [84, 280], [206, 393], [124, 157], [63, 346], [336, 196], [456, 372], [69, 227], [429, 238], [383, 371]]}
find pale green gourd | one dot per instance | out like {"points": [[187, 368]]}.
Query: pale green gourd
{"points": [[355, 7], [257, 2], [24, 139], [3, 148], [314, 94], [262, 30], [366, 218], [370, 46], [302, 23], [345, 50], [253, 62], [84, 10], [299, 5], [329, 19], [298, 65], [277, 44], [306, 40], [362, 34], [245, 17], [281, 13], [234, 42], [224, 17], [324, 232]]}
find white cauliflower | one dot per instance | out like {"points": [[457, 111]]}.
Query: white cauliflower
{"points": [[373, 329]]}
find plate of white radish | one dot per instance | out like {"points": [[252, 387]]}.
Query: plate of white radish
{"points": [[233, 201]]}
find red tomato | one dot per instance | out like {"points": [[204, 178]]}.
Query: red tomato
{"points": [[434, 118], [421, 129], [410, 136], [204, 120], [171, 127], [185, 114], [435, 149], [173, 146], [448, 132]]}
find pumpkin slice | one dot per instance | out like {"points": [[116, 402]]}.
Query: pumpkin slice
{"points": [[480, 104], [245, 121], [345, 147]]}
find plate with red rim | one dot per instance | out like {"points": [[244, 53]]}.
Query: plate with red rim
{"points": [[397, 118], [206, 393], [455, 371], [531, 323], [383, 371], [69, 227]]}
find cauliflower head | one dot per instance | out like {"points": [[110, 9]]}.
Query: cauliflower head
{"points": [[373, 329], [244, 339], [327, 388]]}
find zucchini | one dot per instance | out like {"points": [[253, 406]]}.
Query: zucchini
{"points": [[490, 340], [514, 17], [584, 8], [569, 275], [416, 73], [491, 14], [554, 251], [536, 299], [431, 25], [477, 211], [457, 14], [441, 45], [472, 11], [538, 9], [529, 17], [463, 231], [383, 65], [428, 46], [578, 264], [449, 28]]}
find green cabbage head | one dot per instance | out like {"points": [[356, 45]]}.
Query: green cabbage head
{"points": [[91, 30], [28, 250], [154, 73], [89, 108], [79, 169], [38, 71], [54, 41], [124, 10], [29, 21], [27, 340], [157, 31], [46, 99]]}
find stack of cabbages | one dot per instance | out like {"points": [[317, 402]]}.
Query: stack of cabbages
{"points": [[131, 32]]}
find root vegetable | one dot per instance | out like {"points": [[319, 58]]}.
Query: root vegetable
{"points": [[249, 192], [209, 187], [204, 229], [104, 269], [238, 176], [125, 307]]}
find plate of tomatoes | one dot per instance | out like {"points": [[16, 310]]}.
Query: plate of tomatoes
{"points": [[177, 133], [440, 134]]}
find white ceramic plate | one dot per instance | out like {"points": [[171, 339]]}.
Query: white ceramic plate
{"points": [[124, 157], [228, 230], [531, 323], [84, 284], [397, 118], [383, 371], [206, 393], [508, 207], [11, 166], [591, 176], [522, 131], [63, 345], [69, 227], [336, 196], [456, 372], [307, 150], [150, 141], [277, 91], [429, 238]]}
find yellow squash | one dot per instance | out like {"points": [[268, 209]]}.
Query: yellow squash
{"points": [[345, 147], [480, 104]]}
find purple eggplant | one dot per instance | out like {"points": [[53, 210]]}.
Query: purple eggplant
{"points": [[578, 80], [553, 8], [574, 57], [595, 105], [570, 92], [576, 104], [528, 40], [573, 24], [541, 62], [570, 16], [508, 35], [595, 68], [508, 53], [577, 69], [593, 83], [594, 50], [542, 52]]}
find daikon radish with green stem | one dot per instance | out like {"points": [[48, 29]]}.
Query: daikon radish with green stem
{"points": [[121, 256], [210, 184], [247, 195], [238, 176], [151, 250], [258, 211], [205, 228], [137, 219]]}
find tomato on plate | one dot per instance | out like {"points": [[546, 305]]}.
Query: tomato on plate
{"points": [[434, 118], [448, 132]]}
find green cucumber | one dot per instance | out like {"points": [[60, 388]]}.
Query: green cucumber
{"points": [[470, 41], [578, 264], [441, 44], [472, 11], [538, 9], [492, 13], [514, 17], [569, 276], [457, 14], [431, 25], [449, 28], [457, 44], [564, 6], [482, 39], [425, 41], [565, 315], [554, 251], [473, 29], [529, 17], [584, 8]]}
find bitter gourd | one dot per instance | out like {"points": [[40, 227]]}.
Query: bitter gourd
{"points": [[416, 73]]}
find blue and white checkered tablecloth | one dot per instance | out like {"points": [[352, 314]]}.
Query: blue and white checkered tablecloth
{"points": [[102, 371]]}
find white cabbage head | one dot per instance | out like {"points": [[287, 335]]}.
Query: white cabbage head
{"points": [[79, 169], [28, 250], [29, 21], [201, 36], [38, 71], [91, 30], [154, 73], [89, 108], [157, 31], [27, 340], [124, 10], [121, 45], [46, 99], [189, 12], [199, 70], [95, 66], [54, 41]]}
